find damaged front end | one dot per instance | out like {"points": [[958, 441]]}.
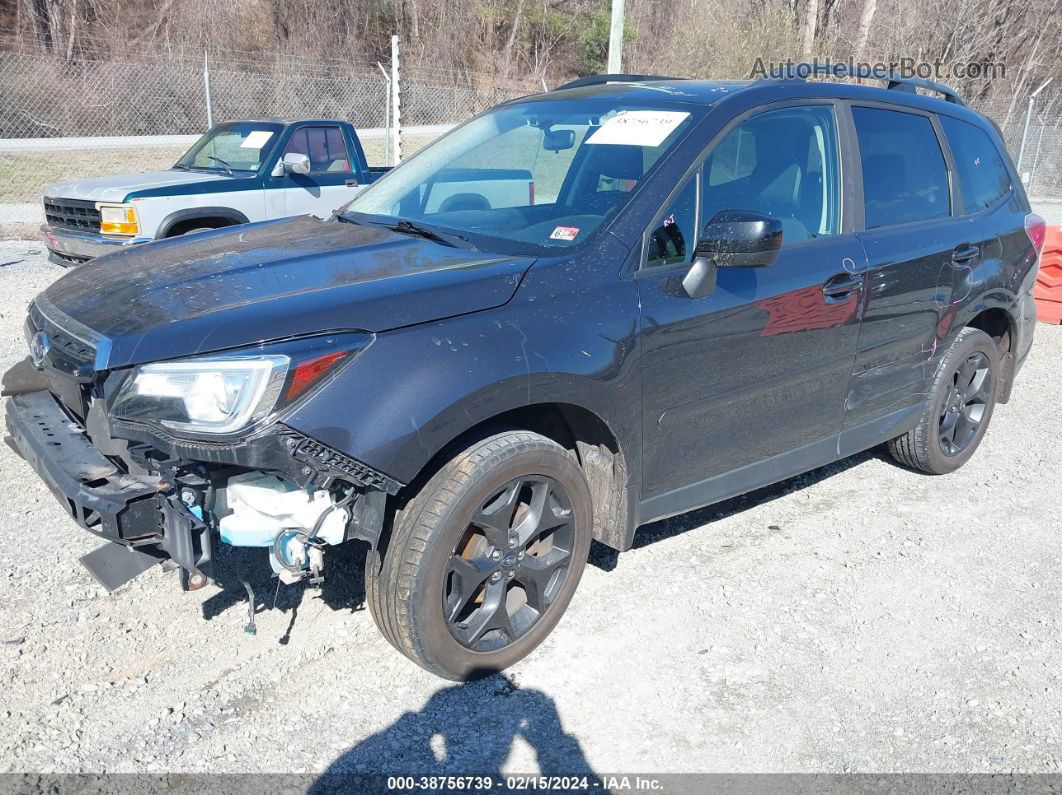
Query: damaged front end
{"points": [[167, 460]]}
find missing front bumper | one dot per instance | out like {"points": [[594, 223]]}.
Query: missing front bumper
{"points": [[139, 514]]}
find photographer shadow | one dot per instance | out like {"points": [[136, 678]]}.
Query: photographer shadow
{"points": [[466, 729]]}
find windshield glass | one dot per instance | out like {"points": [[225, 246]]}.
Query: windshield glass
{"points": [[531, 177], [240, 146]]}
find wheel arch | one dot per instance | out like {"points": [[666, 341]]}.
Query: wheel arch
{"points": [[589, 439], [1000, 324], [215, 216]]}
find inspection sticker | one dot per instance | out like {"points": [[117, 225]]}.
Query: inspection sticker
{"points": [[256, 139], [564, 233], [638, 127]]}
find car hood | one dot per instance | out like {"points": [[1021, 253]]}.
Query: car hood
{"points": [[266, 281], [116, 188]]}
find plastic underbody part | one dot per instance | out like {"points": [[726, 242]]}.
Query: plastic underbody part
{"points": [[261, 510]]}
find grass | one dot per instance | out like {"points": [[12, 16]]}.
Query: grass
{"points": [[23, 175]]}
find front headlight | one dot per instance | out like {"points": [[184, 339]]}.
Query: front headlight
{"points": [[225, 394], [117, 219], [203, 396]]}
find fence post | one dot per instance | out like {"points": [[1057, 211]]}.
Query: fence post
{"points": [[206, 92], [396, 112], [1036, 157], [1025, 130], [387, 115]]}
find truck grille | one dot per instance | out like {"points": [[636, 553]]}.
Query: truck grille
{"points": [[72, 214], [71, 352]]}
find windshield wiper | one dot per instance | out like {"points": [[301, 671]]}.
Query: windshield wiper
{"points": [[407, 227], [182, 166], [224, 165]]}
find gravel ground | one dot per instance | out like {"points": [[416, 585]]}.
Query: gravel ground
{"points": [[858, 618]]}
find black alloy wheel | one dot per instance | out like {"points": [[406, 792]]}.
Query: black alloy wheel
{"points": [[965, 405], [510, 563]]}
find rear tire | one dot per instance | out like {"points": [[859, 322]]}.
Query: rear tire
{"points": [[957, 409], [483, 561]]}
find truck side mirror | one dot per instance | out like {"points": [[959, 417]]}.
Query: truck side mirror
{"points": [[732, 239], [296, 163]]}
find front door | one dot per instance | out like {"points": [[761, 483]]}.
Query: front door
{"points": [[759, 368], [331, 182]]}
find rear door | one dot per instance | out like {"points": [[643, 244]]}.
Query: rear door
{"points": [[759, 367], [915, 241], [332, 180]]}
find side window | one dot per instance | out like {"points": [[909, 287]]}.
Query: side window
{"points": [[675, 235], [325, 146], [781, 163], [982, 172], [734, 158], [904, 175]]}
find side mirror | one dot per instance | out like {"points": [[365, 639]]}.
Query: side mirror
{"points": [[295, 163], [557, 140], [732, 239], [740, 239]]}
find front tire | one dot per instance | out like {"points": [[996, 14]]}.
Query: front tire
{"points": [[957, 409], [483, 561]]}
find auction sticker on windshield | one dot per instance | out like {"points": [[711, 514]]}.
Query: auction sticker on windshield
{"points": [[564, 233], [256, 139], [638, 127]]}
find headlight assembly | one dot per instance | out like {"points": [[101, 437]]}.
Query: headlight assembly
{"points": [[220, 395], [117, 219]]}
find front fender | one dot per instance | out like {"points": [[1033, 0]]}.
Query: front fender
{"points": [[418, 388]]}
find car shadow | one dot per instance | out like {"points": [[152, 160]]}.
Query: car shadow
{"points": [[465, 729], [343, 587], [606, 559]]}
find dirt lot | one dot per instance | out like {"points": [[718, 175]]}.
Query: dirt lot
{"points": [[858, 618]]}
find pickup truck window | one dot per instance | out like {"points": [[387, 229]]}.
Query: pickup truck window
{"points": [[324, 146], [240, 146], [531, 177]]}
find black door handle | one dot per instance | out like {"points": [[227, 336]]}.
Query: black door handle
{"points": [[964, 253], [841, 285]]}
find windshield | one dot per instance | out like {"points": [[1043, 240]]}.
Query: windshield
{"points": [[230, 148], [530, 177]]}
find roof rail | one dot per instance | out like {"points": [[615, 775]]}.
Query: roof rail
{"points": [[802, 71], [596, 80]]}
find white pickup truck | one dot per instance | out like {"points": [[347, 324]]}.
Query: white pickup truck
{"points": [[237, 172]]}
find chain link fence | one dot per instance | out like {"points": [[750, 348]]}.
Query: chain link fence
{"points": [[92, 116], [85, 117]]}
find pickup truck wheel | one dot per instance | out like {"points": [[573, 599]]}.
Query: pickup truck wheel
{"points": [[957, 409], [484, 559]]}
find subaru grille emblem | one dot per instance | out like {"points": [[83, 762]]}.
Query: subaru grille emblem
{"points": [[39, 345]]}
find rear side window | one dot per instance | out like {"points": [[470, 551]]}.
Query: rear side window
{"points": [[904, 175], [982, 173]]}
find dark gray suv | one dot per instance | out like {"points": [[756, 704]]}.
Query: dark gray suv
{"points": [[576, 313]]}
